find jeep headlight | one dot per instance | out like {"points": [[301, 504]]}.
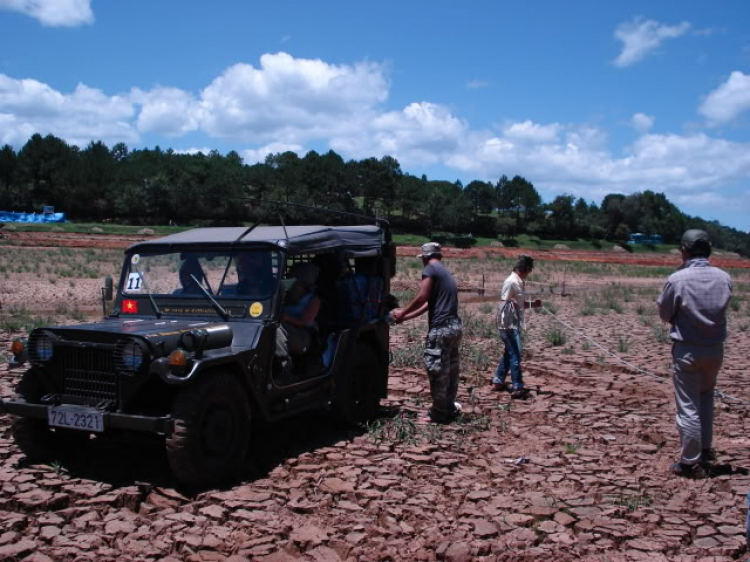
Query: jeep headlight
{"points": [[41, 347], [130, 356]]}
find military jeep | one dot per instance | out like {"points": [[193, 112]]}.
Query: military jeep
{"points": [[188, 351]]}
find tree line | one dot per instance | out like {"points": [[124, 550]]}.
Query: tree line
{"points": [[155, 186]]}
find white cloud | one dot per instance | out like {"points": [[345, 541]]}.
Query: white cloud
{"points": [[640, 37], [53, 13], [727, 101], [195, 150], [297, 98], [421, 133], [29, 106], [167, 111], [285, 100], [477, 84], [732, 205], [528, 131], [253, 156], [580, 163], [286, 104], [642, 122]]}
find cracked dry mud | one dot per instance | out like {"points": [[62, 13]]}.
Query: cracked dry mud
{"points": [[579, 471]]}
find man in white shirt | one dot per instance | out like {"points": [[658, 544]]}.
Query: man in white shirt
{"points": [[510, 322]]}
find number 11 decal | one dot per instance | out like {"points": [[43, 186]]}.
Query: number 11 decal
{"points": [[134, 282]]}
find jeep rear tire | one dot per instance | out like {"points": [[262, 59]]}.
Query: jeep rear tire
{"points": [[357, 397], [211, 431]]}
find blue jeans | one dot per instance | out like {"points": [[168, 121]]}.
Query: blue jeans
{"points": [[511, 359]]}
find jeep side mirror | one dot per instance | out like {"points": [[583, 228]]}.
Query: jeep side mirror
{"points": [[107, 293], [108, 289]]}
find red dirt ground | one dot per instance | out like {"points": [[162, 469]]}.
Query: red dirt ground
{"points": [[579, 471]]}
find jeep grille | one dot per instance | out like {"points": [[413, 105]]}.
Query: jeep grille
{"points": [[87, 375]]}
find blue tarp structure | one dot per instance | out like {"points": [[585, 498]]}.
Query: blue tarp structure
{"points": [[7, 216]]}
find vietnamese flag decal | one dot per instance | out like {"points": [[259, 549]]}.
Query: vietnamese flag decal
{"points": [[130, 307]]}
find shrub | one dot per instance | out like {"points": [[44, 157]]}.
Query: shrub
{"points": [[408, 356], [633, 502], [555, 336], [661, 333], [588, 309], [487, 308], [400, 429], [623, 344]]}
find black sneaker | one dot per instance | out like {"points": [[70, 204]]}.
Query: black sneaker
{"points": [[693, 471], [708, 456], [520, 393]]}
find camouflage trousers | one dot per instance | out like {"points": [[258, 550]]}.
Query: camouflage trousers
{"points": [[442, 360]]}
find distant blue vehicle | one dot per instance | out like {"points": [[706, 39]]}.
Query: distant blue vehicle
{"points": [[7, 216], [639, 238]]}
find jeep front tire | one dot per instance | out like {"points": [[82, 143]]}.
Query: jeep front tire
{"points": [[211, 430], [33, 436]]}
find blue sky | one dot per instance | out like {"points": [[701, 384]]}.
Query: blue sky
{"points": [[586, 97]]}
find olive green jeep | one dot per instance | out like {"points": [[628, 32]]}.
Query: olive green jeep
{"points": [[189, 351]]}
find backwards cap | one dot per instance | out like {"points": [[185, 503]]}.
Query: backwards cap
{"points": [[430, 249]]}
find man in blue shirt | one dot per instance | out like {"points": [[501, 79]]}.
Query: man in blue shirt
{"points": [[694, 301]]}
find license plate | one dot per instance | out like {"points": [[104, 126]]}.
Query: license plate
{"points": [[73, 418]]}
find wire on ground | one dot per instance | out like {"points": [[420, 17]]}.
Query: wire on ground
{"points": [[718, 393]]}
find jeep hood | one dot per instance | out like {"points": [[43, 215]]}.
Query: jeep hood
{"points": [[155, 331]]}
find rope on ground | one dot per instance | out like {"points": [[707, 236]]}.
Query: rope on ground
{"points": [[726, 396], [604, 349], [718, 393]]}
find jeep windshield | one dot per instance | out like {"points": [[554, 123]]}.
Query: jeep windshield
{"points": [[240, 274]]}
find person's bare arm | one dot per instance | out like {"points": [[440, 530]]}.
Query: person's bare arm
{"points": [[418, 306], [307, 317], [419, 312]]}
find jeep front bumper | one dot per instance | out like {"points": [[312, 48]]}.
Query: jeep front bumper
{"points": [[112, 420]]}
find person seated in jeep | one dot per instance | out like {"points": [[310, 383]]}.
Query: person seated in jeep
{"points": [[301, 307], [254, 274], [191, 276]]}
